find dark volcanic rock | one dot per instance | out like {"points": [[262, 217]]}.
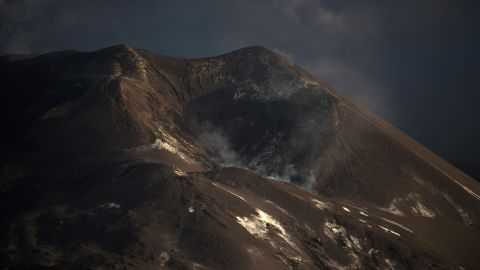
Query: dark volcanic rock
{"points": [[121, 158]]}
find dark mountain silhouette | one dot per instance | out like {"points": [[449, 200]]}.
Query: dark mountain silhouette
{"points": [[121, 158]]}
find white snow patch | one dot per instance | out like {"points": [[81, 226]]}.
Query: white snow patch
{"points": [[415, 201], [171, 145], [476, 196], [469, 191], [257, 226], [346, 209], [417, 206], [388, 230], [356, 243], [179, 172], [390, 264], [198, 266], [397, 224], [231, 192], [362, 220], [191, 209], [349, 243], [163, 258], [420, 209], [109, 205], [393, 207], [287, 260], [336, 232], [349, 204], [466, 217], [322, 205], [373, 251], [332, 230], [363, 214]]}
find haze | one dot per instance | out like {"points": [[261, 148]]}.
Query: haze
{"points": [[414, 63]]}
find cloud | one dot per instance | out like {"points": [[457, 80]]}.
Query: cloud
{"points": [[326, 18], [331, 18], [14, 18], [394, 57], [286, 55], [313, 11], [353, 83]]}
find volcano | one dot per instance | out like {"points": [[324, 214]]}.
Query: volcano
{"points": [[124, 159]]}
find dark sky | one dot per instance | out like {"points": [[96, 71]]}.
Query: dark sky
{"points": [[415, 63]]}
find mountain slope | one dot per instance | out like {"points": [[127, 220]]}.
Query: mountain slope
{"points": [[123, 158]]}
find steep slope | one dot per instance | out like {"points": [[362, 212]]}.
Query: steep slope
{"points": [[120, 158]]}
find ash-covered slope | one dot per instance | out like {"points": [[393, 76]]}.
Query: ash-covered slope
{"points": [[119, 158]]}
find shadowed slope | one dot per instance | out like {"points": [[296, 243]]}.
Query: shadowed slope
{"points": [[116, 158]]}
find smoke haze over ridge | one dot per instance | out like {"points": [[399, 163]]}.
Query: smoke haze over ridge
{"points": [[414, 64]]}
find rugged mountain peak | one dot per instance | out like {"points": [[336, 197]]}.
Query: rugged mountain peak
{"points": [[244, 155]]}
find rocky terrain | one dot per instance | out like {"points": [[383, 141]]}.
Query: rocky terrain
{"points": [[124, 159]]}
